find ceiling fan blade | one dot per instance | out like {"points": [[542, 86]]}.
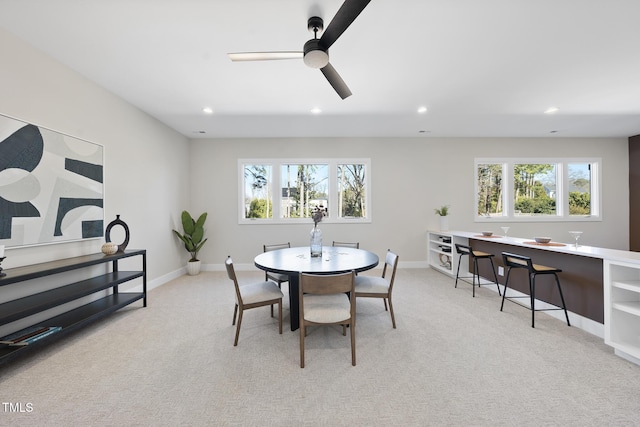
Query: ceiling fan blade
{"points": [[263, 56], [336, 81], [347, 13]]}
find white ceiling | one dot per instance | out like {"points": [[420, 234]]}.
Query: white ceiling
{"points": [[483, 68]]}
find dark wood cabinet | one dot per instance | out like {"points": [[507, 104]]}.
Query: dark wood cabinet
{"points": [[634, 193], [78, 317]]}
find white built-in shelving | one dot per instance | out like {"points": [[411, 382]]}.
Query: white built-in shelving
{"points": [[622, 308]]}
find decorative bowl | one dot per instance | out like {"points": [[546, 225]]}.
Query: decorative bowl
{"points": [[487, 233], [543, 239], [109, 248]]}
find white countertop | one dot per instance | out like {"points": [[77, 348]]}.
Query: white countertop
{"points": [[569, 248]]}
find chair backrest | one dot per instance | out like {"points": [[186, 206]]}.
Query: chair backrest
{"points": [[355, 245], [391, 262], [322, 284], [275, 247], [463, 249], [517, 261], [231, 272]]}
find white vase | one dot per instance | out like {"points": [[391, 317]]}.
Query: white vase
{"points": [[193, 268], [444, 223]]}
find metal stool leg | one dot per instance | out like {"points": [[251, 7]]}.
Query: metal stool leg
{"points": [[495, 276], [458, 272], [506, 284], [564, 306], [532, 292]]}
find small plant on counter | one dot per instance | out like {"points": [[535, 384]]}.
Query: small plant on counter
{"points": [[442, 211]]}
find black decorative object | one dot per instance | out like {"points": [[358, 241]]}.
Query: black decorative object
{"points": [[1, 273], [118, 221]]}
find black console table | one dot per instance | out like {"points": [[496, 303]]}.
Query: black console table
{"points": [[73, 319]]}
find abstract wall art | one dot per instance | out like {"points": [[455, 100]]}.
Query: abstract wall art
{"points": [[51, 186]]}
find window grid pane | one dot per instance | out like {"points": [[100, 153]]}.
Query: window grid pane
{"points": [[258, 198], [304, 189], [579, 189], [535, 189], [352, 191], [490, 191]]}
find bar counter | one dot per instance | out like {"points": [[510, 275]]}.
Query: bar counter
{"points": [[582, 276]]}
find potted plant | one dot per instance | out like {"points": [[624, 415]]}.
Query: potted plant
{"points": [[193, 239], [443, 212]]}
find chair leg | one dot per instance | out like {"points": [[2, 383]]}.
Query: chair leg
{"points": [[564, 306], [353, 342], [235, 343], [495, 276], [303, 333], [385, 304], [280, 316], [393, 318], [532, 296], [235, 313]]}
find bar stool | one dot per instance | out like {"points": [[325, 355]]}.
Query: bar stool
{"points": [[475, 256], [520, 261]]}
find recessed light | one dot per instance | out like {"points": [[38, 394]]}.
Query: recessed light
{"points": [[551, 110], [422, 110], [207, 110], [316, 110]]}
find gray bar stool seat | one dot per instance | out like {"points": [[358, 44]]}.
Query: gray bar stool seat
{"points": [[463, 250], [521, 261]]}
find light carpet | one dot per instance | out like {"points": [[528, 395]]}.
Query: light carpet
{"points": [[453, 360]]}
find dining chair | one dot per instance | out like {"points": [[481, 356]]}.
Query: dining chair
{"points": [[270, 275], [327, 299], [354, 245], [380, 287], [253, 295]]}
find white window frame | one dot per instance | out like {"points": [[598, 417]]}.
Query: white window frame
{"points": [[562, 195], [276, 164]]}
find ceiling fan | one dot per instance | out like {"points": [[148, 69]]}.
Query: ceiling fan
{"points": [[315, 52]]}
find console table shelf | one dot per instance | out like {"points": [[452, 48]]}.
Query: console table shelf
{"points": [[77, 317]]}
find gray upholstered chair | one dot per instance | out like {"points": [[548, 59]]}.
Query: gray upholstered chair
{"points": [[253, 295], [327, 299], [270, 275], [380, 287]]}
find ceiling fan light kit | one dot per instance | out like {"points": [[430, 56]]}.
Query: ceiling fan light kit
{"points": [[315, 56], [315, 52]]}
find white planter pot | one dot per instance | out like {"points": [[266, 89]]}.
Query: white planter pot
{"points": [[193, 268], [444, 223]]}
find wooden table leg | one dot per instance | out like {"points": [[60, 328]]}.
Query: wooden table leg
{"points": [[294, 295]]}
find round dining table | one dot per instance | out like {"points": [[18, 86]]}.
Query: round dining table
{"points": [[293, 261]]}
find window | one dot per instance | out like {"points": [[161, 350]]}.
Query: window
{"points": [[537, 189], [283, 191]]}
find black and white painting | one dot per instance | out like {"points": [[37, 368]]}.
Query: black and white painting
{"points": [[51, 186]]}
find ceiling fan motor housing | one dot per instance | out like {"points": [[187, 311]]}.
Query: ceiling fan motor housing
{"points": [[315, 56]]}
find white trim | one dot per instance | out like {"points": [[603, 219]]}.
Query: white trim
{"points": [[562, 179], [332, 190]]}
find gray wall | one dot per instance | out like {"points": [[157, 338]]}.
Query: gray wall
{"points": [[410, 177], [146, 163]]}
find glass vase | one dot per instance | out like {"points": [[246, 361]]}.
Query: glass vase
{"points": [[316, 242]]}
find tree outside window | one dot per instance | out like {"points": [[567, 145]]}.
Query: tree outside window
{"points": [[258, 199], [351, 191]]}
